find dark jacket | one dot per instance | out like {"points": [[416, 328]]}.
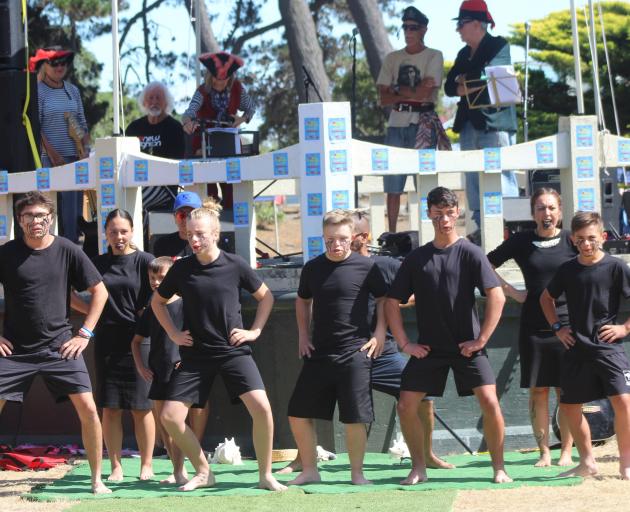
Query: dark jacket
{"points": [[492, 51]]}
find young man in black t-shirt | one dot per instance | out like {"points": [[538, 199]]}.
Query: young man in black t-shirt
{"points": [[176, 243], [595, 364], [443, 276], [37, 272], [333, 295]]}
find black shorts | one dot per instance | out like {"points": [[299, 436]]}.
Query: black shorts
{"points": [[62, 377], [428, 375], [603, 375], [541, 356], [192, 380], [119, 385], [323, 383]]}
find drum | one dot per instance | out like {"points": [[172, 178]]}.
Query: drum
{"points": [[600, 417]]}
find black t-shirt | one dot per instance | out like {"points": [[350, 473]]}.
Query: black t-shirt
{"points": [[171, 245], [211, 296], [163, 353], [593, 295], [165, 139], [538, 258], [340, 293], [389, 267], [37, 292], [444, 282], [127, 280]]}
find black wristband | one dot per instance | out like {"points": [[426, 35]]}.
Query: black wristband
{"points": [[555, 327]]}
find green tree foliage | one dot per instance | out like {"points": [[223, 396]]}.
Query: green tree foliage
{"points": [[551, 44]]}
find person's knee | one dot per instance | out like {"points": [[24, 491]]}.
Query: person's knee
{"points": [[539, 394], [260, 410], [86, 410], [407, 406], [489, 403]]}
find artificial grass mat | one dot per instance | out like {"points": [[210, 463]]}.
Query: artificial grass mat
{"points": [[472, 472]]}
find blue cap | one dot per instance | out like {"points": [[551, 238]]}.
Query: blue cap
{"points": [[189, 199]]}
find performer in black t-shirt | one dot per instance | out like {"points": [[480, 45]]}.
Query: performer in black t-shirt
{"points": [[595, 364], [176, 243], [539, 253], [443, 275], [333, 295], [37, 272], [120, 387], [209, 283]]}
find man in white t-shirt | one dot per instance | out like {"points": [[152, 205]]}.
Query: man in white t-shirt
{"points": [[408, 82]]}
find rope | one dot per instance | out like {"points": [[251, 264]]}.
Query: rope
{"points": [[25, 120]]}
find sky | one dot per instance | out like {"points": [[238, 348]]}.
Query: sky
{"points": [[175, 30]]}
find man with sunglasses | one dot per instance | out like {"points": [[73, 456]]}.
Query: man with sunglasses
{"points": [[176, 244], [37, 272], [408, 83], [480, 127]]}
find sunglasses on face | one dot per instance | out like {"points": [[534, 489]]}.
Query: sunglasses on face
{"points": [[181, 215], [57, 63], [461, 23], [411, 28]]}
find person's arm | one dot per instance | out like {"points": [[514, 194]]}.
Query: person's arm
{"points": [[265, 304], [494, 306], [181, 338], [303, 309], [395, 322], [246, 106], [376, 343], [144, 372], [78, 304], [76, 345], [548, 306], [189, 122], [509, 290]]}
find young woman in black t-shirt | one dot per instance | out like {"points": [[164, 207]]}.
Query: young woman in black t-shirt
{"points": [[120, 387], [539, 254]]}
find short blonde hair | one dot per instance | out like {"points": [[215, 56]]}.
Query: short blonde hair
{"points": [[338, 217]]}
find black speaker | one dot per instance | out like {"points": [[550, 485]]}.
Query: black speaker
{"points": [[12, 44], [15, 150]]}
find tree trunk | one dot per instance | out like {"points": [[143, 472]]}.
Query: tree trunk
{"points": [[208, 41], [304, 49], [375, 38]]}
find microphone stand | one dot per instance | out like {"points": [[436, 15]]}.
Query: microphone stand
{"points": [[309, 81], [353, 107]]}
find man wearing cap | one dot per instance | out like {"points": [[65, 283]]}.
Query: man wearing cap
{"points": [[408, 82], [483, 127], [176, 244]]}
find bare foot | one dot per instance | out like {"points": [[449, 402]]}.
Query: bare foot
{"points": [[146, 473], [565, 459], [501, 477], [415, 476], [434, 462], [544, 461], [198, 481], [583, 470], [179, 479], [290, 468], [271, 484], [99, 487], [306, 477], [359, 479], [624, 473], [116, 475]]}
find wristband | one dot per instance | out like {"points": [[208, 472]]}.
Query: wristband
{"points": [[555, 327], [84, 332]]}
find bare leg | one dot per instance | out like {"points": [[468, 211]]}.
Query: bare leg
{"points": [[427, 419], [356, 441], [566, 447], [539, 416], [144, 427], [198, 419], [493, 429], [413, 432], [113, 434], [621, 406], [582, 436], [92, 436], [304, 435], [259, 409], [174, 420], [393, 208], [179, 476], [294, 465]]}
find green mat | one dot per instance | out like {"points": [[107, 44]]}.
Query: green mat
{"points": [[473, 472]]}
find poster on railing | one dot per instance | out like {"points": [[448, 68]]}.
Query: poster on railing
{"points": [[141, 171], [544, 152], [4, 181], [623, 151], [341, 199], [338, 161], [586, 199], [492, 204], [108, 195], [81, 173], [313, 164], [380, 159], [186, 174], [492, 159], [315, 246], [336, 129], [106, 168], [424, 210], [3, 226], [311, 128], [584, 168], [233, 170], [426, 161], [280, 164], [42, 179], [584, 136], [314, 204], [241, 215]]}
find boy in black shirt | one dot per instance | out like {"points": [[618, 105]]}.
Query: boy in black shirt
{"points": [[443, 275], [334, 291], [595, 365], [37, 272]]}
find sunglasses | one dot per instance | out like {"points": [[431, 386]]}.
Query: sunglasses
{"points": [[411, 28], [181, 215], [461, 23], [57, 63]]}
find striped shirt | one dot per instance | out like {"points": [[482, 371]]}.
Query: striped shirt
{"points": [[246, 104], [53, 104]]}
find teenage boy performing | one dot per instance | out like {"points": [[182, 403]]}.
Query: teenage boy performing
{"points": [[443, 275], [37, 272], [595, 365], [209, 283], [334, 292]]}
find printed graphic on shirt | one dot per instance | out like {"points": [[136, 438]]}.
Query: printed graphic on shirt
{"points": [[626, 375], [409, 75], [148, 142]]}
